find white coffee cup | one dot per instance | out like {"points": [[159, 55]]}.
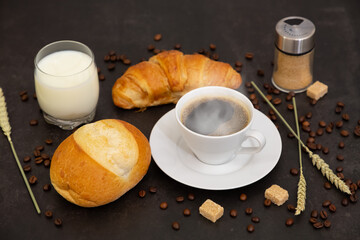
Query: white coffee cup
{"points": [[219, 149]]}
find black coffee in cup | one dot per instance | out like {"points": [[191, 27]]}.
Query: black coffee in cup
{"points": [[215, 116]]}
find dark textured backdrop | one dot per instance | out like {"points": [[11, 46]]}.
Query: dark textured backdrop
{"points": [[236, 27]]}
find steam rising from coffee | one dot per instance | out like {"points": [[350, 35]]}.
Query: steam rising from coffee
{"points": [[215, 116]]}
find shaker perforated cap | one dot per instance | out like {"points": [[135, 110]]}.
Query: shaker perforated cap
{"points": [[295, 35]]}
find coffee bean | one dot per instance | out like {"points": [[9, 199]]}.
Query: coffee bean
{"points": [[338, 110], [175, 226], [27, 159], [327, 223], [48, 141], [318, 225], [267, 202], [233, 213], [243, 197], [250, 228], [34, 96], [266, 86], [322, 124], [290, 135], [311, 146], [33, 122], [215, 56], [340, 104], [158, 37], [358, 183], [260, 72], [306, 129], [23, 92], [325, 150], [47, 187], [142, 194], [313, 220], [290, 107], [327, 185], [344, 133], [312, 134], [248, 211], [58, 222], [191, 196], [113, 58], [27, 168], [47, 163], [339, 169], [345, 201], [255, 219], [39, 160], [239, 64], [318, 146], [305, 123], [353, 198], [355, 186], [127, 61], [339, 124], [294, 171], [291, 208], [250, 90], [187, 212], [156, 51], [323, 214], [310, 140], [345, 117], [24, 97], [212, 46], [289, 222], [348, 182], [313, 101], [32, 180], [152, 189], [150, 47], [48, 214], [340, 157], [357, 131], [111, 66], [314, 214], [163, 205], [276, 91], [249, 56], [341, 145], [45, 156], [106, 58], [326, 203], [308, 115], [320, 132], [177, 46], [180, 199], [332, 208], [340, 175], [328, 129]]}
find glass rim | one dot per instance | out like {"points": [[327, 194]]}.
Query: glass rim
{"points": [[36, 60]]}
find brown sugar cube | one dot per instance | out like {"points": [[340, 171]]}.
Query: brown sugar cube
{"points": [[277, 194], [317, 90], [211, 210]]}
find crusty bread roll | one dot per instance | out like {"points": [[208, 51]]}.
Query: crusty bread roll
{"points": [[100, 162], [169, 75]]}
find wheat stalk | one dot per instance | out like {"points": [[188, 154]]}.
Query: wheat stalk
{"points": [[301, 193], [316, 159], [5, 126]]}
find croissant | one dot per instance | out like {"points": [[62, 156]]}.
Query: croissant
{"points": [[169, 75]]}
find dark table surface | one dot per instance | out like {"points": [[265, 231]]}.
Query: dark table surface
{"points": [[128, 27]]}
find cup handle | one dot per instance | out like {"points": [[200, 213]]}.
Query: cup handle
{"points": [[258, 137]]}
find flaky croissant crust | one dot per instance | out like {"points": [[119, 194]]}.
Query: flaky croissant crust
{"points": [[169, 75]]}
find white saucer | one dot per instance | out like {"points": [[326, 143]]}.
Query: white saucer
{"points": [[173, 157]]}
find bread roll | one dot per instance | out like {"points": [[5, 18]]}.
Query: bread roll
{"points": [[100, 162]]}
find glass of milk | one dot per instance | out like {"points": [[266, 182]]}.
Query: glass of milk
{"points": [[66, 83]]}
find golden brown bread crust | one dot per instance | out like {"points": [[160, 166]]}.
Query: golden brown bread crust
{"points": [[83, 181], [169, 75]]}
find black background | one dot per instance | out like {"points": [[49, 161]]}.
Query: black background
{"points": [[236, 27]]}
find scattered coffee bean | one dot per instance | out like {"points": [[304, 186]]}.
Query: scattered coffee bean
{"points": [[289, 222], [163, 205], [318, 225], [276, 91], [151, 47], [187, 212], [314, 214], [250, 228], [345, 201], [332, 208], [113, 58], [212, 46], [294, 171], [158, 37], [325, 150], [338, 110], [326, 203], [152, 189], [111, 66], [39, 148], [47, 187], [48, 141], [191, 196], [215, 56], [58, 222], [345, 117], [322, 124], [340, 175], [267, 202], [358, 183], [248, 211], [339, 124], [233, 213], [32, 180], [22, 93], [175, 226], [142, 194], [250, 90], [27, 168], [328, 129], [291, 208], [353, 198], [24, 97], [101, 77], [341, 145], [266, 86], [313, 220], [255, 219], [33, 122], [177, 46], [357, 131], [121, 57], [327, 185], [48, 214], [156, 51], [112, 53], [311, 146], [312, 134], [310, 140], [276, 101], [313, 101], [290, 135], [340, 157], [243, 197], [106, 58], [340, 104], [318, 146], [27, 159], [344, 133], [260, 72], [323, 214], [327, 223], [45, 156], [308, 115], [247, 84], [339, 169], [239, 64], [290, 107], [39, 160], [180, 199], [249, 56], [320, 132]]}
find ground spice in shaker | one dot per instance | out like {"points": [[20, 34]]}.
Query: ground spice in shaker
{"points": [[294, 54]]}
